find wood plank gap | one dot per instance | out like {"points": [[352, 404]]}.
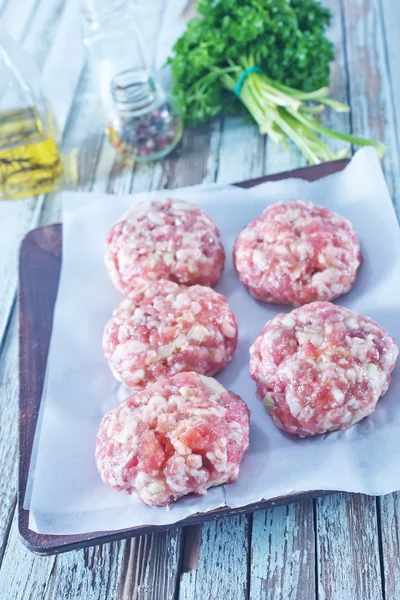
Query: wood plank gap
{"points": [[7, 530], [390, 78], [7, 325], [218, 147], [50, 586], [69, 117], [347, 73], [316, 556], [249, 535], [191, 548], [113, 561], [8, 434], [97, 156], [380, 545], [222, 569], [179, 572]]}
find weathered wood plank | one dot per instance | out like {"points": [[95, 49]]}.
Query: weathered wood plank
{"points": [[241, 151], [282, 542], [19, 576], [16, 218], [8, 432], [202, 160], [154, 559], [391, 19], [22, 576], [222, 568], [345, 71], [91, 574], [143, 568], [389, 509], [372, 112], [390, 22], [147, 567], [283, 553], [339, 76], [389, 505], [108, 571], [347, 548], [231, 152], [236, 152], [150, 567], [189, 164]]}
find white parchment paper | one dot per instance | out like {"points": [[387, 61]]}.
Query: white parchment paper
{"points": [[68, 495]]}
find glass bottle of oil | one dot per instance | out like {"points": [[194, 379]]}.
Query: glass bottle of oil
{"points": [[30, 160]]}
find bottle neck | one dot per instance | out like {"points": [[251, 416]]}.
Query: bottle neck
{"points": [[135, 92], [96, 12]]}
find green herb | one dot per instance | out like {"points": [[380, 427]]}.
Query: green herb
{"points": [[285, 40]]}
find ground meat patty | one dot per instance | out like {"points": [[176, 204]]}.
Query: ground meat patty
{"points": [[171, 239], [296, 252], [162, 328], [321, 367], [181, 435]]}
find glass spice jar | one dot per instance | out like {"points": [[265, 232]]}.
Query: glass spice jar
{"points": [[141, 119], [145, 121]]}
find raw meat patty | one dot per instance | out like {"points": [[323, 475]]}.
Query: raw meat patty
{"points": [[181, 435], [296, 252], [321, 367], [162, 328], [171, 239]]}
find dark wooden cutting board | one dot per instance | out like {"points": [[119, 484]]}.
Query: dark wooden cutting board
{"points": [[39, 272]]}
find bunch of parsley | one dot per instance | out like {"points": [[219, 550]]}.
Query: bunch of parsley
{"points": [[285, 41]]}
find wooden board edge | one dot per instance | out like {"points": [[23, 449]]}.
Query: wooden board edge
{"points": [[43, 547], [48, 238]]}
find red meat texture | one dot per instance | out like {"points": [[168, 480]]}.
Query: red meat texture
{"points": [[171, 239], [163, 328], [179, 436], [321, 368], [296, 252]]}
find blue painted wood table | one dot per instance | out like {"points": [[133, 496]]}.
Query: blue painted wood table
{"points": [[340, 547]]}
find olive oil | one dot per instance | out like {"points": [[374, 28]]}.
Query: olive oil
{"points": [[30, 162]]}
